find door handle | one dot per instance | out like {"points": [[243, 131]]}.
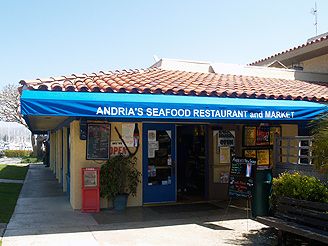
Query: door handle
{"points": [[173, 163]]}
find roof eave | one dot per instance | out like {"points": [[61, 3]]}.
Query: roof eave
{"points": [[298, 54]]}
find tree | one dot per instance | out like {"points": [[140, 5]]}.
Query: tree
{"points": [[320, 143], [10, 105], [10, 112]]}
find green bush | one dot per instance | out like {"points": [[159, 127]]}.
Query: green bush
{"points": [[298, 186], [30, 160], [119, 175], [17, 153]]}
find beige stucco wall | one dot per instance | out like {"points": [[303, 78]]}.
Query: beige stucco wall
{"points": [[64, 158], [318, 64], [59, 155], [78, 161], [52, 151]]}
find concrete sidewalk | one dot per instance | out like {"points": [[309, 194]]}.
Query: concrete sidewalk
{"points": [[43, 209], [43, 216]]}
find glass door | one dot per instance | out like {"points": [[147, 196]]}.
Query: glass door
{"points": [[159, 172]]}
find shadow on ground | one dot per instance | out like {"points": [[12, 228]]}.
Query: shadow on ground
{"points": [[43, 208], [263, 237]]}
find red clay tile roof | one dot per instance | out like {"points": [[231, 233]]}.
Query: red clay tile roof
{"points": [[315, 41], [159, 81]]}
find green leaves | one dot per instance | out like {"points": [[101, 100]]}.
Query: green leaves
{"points": [[320, 143], [119, 176], [298, 186]]}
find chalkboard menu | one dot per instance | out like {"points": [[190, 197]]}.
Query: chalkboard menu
{"points": [[98, 141], [242, 177]]}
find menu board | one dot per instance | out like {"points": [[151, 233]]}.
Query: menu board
{"points": [[98, 141], [242, 177]]}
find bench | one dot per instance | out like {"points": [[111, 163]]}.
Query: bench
{"points": [[304, 218]]}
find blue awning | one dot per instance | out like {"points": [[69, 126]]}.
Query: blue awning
{"points": [[167, 107]]}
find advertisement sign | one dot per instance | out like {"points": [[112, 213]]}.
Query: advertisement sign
{"points": [[118, 148]]}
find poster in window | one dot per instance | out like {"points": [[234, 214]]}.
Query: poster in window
{"points": [[224, 178], [127, 134], [151, 135], [226, 138], [98, 141], [263, 157], [224, 154], [262, 136], [274, 131], [250, 153], [250, 135]]}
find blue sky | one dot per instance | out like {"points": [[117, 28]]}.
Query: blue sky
{"points": [[47, 38]]}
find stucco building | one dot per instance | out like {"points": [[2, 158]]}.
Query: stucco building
{"points": [[184, 119]]}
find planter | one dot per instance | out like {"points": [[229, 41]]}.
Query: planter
{"points": [[120, 202]]}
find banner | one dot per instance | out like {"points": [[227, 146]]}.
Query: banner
{"points": [[167, 107]]}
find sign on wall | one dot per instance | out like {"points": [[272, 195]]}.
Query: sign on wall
{"points": [[98, 141], [226, 138], [118, 148]]}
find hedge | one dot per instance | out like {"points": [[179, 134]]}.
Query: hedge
{"points": [[298, 186], [17, 153]]}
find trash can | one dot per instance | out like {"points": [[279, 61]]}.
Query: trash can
{"points": [[261, 193]]}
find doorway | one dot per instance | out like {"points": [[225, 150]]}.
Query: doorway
{"points": [[159, 185], [191, 163]]}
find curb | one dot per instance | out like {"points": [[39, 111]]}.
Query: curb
{"points": [[12, 181], [3, 227]]}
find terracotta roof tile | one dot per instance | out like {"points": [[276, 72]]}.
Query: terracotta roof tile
{"points": [[159, 81]]}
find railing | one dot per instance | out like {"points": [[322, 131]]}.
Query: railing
{"points": [[295, 154], [293, 150]]}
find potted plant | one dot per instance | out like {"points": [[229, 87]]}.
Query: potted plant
{"points": [[119, 178]]}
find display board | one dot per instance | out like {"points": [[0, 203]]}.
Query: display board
{"points": [[98, 141], [242, 177]]}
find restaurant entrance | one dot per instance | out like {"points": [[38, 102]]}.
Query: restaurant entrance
{"points": [[159, 179], [191, 163]]}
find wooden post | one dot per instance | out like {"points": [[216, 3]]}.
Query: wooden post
{"points": [[288, 150]]}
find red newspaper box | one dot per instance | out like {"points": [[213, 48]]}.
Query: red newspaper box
{"points": [[90, 189]]}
